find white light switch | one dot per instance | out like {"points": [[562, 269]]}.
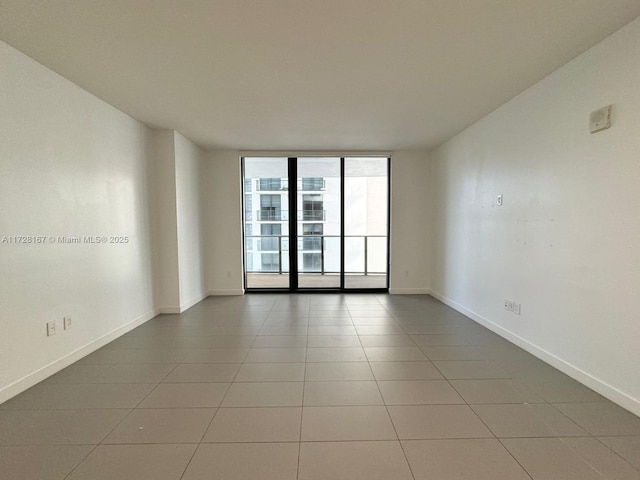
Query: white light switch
{"points": [[499, 200]]}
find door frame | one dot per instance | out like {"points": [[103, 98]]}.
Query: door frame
{"points": [[293, 225]]}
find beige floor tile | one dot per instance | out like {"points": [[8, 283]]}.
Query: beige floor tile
{"points": [[286, 331], [173, 425], [395, 354], [602, 419], [559, 388], [332, 330], [329, 354], [51, 396], [461, 459], [244, 461], [155, 355], [379, 320], [439, 340], [346, 423], [331, 321], [550, 458], [280, 341], [203, 373], [353, 461], [276, 355], [142, 373], [328, 371], [437, 422], [271, 372], [58, 427], [267, 394], [537, 420], [470, 369], [602, 459], [341, 393], [380, 330], [405, 371], [78, 373], [627, 447], [273, 424], [418, 392], [455, 352], [321, 341], [386, 341], [217, 355], [135, 462], [186, 395], [223, 341], [40, 462], [495, 391]]}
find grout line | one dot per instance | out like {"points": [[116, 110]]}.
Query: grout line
{"points": [[386, 407]]}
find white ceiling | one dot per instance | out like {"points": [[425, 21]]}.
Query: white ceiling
{"points": [[309, 74]]}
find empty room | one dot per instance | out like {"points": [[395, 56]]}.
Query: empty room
{"points": [[320, 239]]}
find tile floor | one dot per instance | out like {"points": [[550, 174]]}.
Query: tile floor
{"points": [[309, 387]]}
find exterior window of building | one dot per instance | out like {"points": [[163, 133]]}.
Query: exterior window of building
{"points": [[270, 184], [311, 262], [248, 231], [248, 207], [267, 242], [314, 183], [247, 185], [314, 243], [270, 262], [270, 208], [312, 207]]}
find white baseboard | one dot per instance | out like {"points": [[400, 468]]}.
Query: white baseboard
{"points": [[608, 391], [169, 310], [187, 305], [227, 291], [32, 379], [409, 291]]}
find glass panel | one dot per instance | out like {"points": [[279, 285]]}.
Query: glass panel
{"points": [[266, 211], [366, 218], [318, 219]]}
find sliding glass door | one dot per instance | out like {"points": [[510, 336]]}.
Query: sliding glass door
{"points": [[337, 237]]}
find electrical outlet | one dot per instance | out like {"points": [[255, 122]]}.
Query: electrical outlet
{"points": [[67, 323], [499, 200], [506, 304], [51, 328]]}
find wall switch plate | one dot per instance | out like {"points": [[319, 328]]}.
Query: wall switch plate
{"points": [[516, 308], [499, 200], [67, 323], [506, 304], [600, 119], [51, 328]]}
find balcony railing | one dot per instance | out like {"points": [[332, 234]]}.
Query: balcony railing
{"points": [[314, 244], [273, 186], [272, 215], [312, 215], [283, 215]]}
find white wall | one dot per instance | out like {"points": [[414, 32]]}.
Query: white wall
{"points": [[69, 165], [566, 243], [410, 222], [222, 223], [164, 216], [188, 163]]}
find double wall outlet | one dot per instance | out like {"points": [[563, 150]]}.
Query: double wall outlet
{"points": [[512, 306], [51, 326]]}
